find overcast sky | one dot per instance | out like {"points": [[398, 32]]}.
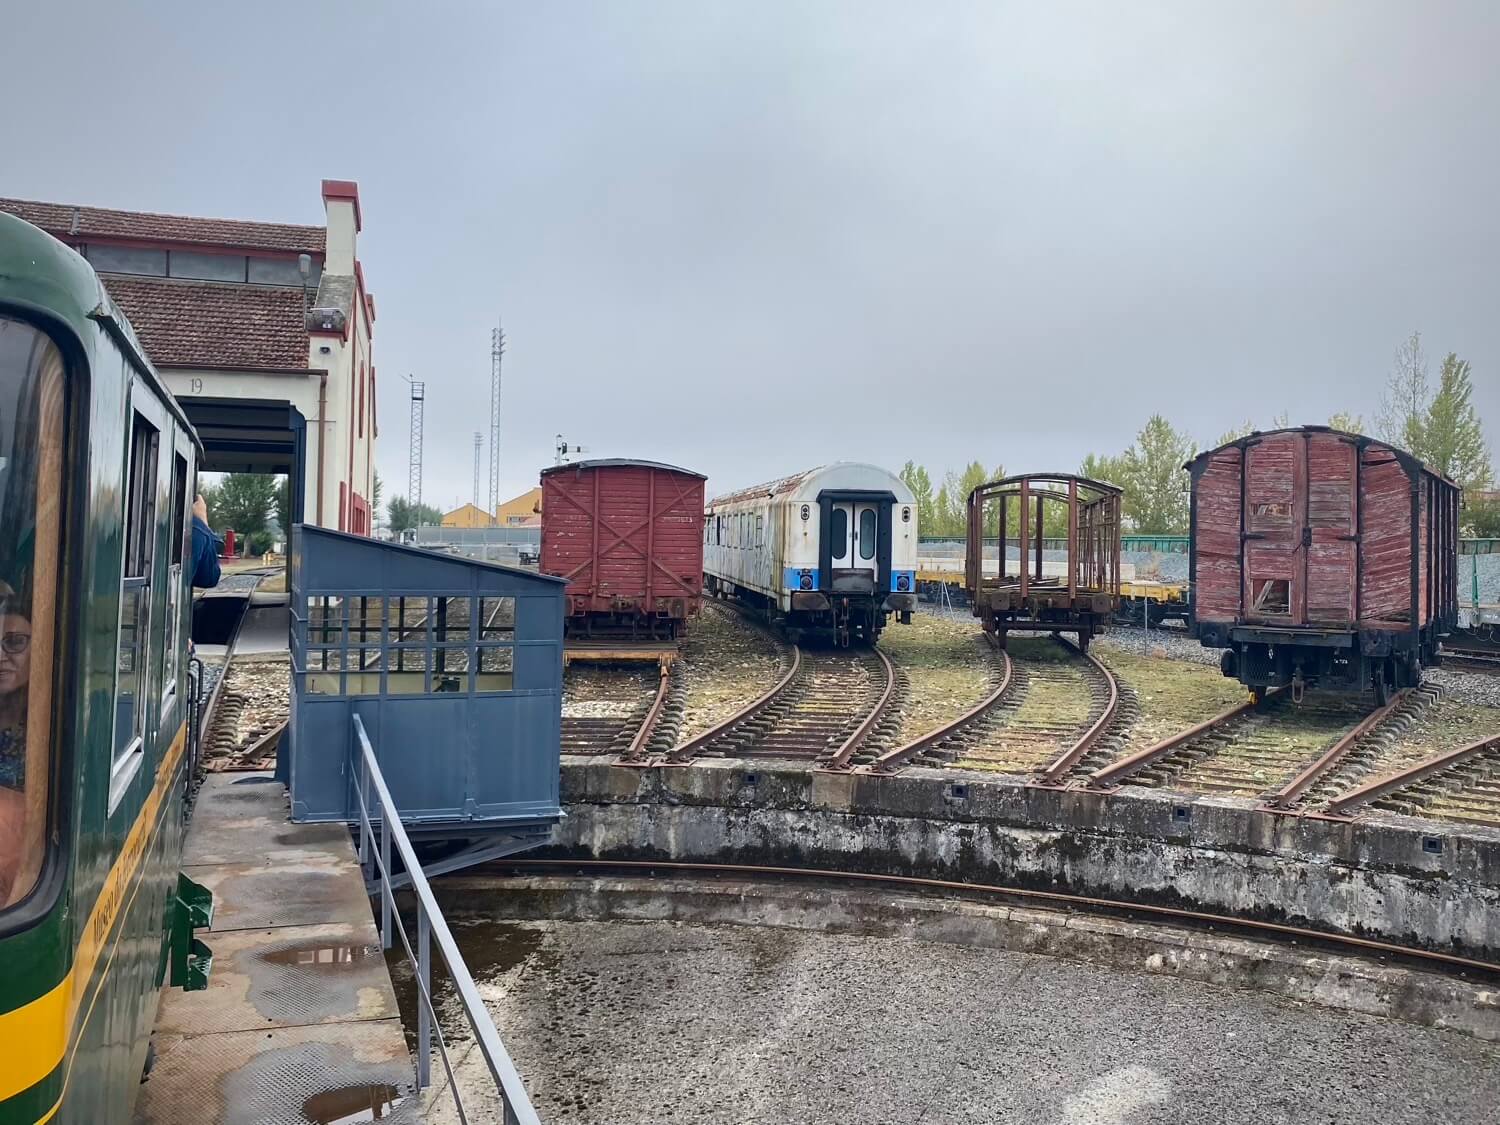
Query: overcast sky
{"points": [[752, 238]]}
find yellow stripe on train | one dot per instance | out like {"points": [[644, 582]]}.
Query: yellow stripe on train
{"points": [[37, 1035]]}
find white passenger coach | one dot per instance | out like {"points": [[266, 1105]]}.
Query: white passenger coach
{"points": [[832, 549]]}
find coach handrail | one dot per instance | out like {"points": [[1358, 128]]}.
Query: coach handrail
{"points": [[431, 927]]}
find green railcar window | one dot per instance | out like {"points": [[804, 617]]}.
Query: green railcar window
{"points": [[31, 440]]}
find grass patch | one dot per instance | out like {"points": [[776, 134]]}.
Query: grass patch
{"points": [[946, 664], [1173, 694]]}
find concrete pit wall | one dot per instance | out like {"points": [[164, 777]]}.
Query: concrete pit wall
{"points": [[1399, 880]]}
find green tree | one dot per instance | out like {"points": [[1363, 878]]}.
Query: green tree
{"points": [[1481, 518], [284, 508], [242, 501], [1449, 437], [405, 515], [943, 518], [916, 479], [1405, 400], [1245, 429], [1156, 487], [375, 488], [1102, 468], [1349, 423]]}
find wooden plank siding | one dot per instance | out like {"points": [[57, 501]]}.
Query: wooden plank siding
{"points": [[1337, 518], [1217, 511], [626, 536]]}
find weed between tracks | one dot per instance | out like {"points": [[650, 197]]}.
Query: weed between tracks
{"points": [[1173, 694], [728, 663], [947, 665]]}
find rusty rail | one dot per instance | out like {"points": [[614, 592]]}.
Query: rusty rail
{"points": [[894, 759], [1059, 899], [1288, 794], [749, 711], [637, 748], [842, 756], [1474, 659], [1070, 757], [1113, 773], [1390, 783]]}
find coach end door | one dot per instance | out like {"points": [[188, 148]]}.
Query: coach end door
{"points": [[853, 540]]}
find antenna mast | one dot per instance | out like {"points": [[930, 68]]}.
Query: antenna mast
{"points": [[414, 447], [478, 444], [497, 349]]}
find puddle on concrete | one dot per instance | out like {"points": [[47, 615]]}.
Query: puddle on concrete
{"points": [[490, 949], [330, 957], [351, 1104]]}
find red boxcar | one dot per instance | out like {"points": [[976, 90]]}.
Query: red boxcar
{"points": [[628, 537], [1322, 557]]}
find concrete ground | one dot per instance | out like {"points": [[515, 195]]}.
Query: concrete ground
{"points": [[666, 1022]]}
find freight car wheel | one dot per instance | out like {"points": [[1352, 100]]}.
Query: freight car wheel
{"points": [[1382, 684]]}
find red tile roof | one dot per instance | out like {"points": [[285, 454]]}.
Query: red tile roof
{"points": [[74, 224], [211, 324]]}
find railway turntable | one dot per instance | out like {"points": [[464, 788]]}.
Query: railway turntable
{"points": [[1012, 584]]}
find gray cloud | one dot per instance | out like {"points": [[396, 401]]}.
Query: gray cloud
{"points": [[748, 238]]}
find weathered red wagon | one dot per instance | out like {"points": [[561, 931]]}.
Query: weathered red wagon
{"points": [[1322, 557], [628, 537]]}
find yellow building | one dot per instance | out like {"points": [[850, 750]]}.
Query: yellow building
{"points": [[467, 516], [519, 512]]}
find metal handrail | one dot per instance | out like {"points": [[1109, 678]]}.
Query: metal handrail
{"points": [[431, 927]]}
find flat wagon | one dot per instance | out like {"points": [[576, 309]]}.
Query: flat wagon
{"points": [[1322, 558], [628, 537]]}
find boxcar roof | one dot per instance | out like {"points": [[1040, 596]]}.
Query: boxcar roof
{"points": [[788, 486], [621, 462], [1410, 462], [39, 272]]}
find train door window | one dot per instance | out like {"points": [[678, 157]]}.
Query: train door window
{"points": [[176, 560], [134, 649], [31, 483], [759, 529], [867, 533], [838, 533]]}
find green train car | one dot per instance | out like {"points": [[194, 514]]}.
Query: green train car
{"points": [[96, 466]]}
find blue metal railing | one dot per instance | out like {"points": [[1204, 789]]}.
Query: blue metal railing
{"points": [[431, 927]]}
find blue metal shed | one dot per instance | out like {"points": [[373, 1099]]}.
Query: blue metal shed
{"points": [[453, 666]]}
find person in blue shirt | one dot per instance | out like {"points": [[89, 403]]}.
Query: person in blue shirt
{"points": [[205, 548]]}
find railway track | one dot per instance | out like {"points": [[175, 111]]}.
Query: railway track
{"points": [[1461, 784], [1486, 660], [827, 706], [630, 728], [1294, 757], [1039, 716], [1057, 899], [830, 707]]}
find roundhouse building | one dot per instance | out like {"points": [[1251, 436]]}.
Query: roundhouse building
{"points": [[262, 330]]}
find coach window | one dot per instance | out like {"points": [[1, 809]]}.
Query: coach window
{"points": [[177, 557], [31, 438], [867, 533], [838, 533], [135, 602]]}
